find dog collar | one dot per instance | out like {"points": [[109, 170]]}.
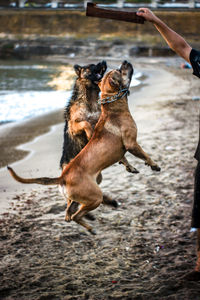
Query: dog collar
{"points": [[115, 97]]}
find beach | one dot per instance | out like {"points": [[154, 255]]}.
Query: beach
{"points": [[143, 248]]}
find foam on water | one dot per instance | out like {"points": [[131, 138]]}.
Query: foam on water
{"points": [[18, 104]]}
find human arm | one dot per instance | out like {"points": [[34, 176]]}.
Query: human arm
{"points": [[175, 41]]}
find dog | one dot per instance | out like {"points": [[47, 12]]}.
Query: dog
{"points": [[114, 135], [81, 115], [82, 111]]}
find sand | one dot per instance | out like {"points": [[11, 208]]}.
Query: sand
{"points": [[142, 249]]}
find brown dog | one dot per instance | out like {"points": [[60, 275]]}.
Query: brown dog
{"points": [[114, 134], [81, 115]]}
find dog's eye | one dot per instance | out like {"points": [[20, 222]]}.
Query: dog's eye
{"points": [[87, 72]]}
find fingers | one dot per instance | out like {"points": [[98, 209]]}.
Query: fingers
{"points": [[142, 10], [147, 14]]}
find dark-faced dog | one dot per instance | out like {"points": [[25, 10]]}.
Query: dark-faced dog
{"points": [[114, 134], [82, 112]]}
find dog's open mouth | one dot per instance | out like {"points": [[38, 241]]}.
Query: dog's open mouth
{"points": [[98, 78]]}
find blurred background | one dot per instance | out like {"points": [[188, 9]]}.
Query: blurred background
{"points": [[41, 40]]}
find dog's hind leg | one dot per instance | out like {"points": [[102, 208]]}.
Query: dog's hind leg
{"points": [[106, 200], [82, 211], [72, 207], [99, 178]]}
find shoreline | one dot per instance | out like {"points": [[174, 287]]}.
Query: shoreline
{"points": [[13, 134], [32, 127], [37, 131], [11, 139]]}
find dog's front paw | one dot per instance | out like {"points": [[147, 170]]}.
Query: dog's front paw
{"points": [[131, 169], [156, 168], [92, 231], [90, 217], [68, 218]]}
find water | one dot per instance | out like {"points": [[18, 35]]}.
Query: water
{"points": [[29, 89], [26, 90]]}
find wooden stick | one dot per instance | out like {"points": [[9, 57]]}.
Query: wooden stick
{"points": [[94, 11]]}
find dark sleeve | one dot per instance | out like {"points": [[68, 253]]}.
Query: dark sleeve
{"points": [[195, 62]]}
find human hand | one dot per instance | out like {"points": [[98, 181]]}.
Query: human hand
{"points": [[147, 14]]}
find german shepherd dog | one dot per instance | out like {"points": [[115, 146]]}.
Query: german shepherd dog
{"points": [[114, 134], [82, 112]]}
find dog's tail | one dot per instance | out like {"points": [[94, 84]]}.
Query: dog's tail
{"points": [[42, 180]]}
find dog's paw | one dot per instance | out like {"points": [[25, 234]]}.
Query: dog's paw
{"points": [[90, 217], [131, 169], [68, 218], [92, 231], [108, 201], [115, 204], [156, 168]]}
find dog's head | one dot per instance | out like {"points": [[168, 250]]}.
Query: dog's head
{"points": [[92, 73], [118, 79]]}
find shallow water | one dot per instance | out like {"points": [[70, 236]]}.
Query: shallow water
{"points": [[25, 89], [30, 88]]}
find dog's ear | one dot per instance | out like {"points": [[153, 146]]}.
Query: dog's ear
{"points": [[101, 67], [77, 69], [104, 66], [126, 70]]}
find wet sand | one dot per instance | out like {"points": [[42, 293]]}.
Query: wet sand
{"points": [[143, 248]]}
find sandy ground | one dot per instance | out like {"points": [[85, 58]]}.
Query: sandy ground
{"points": [[143, 248]]}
